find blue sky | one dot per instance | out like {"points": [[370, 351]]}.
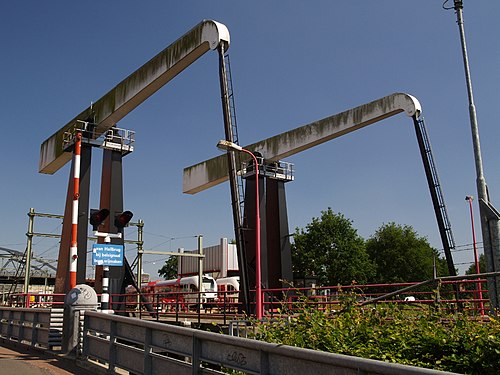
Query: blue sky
{"points": [[293, 62]]}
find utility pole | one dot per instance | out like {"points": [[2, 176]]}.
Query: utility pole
{"points": [[200, 264], [29, 251], [140, 252], [490, 217]]}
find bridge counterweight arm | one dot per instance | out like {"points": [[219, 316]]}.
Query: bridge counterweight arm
{"points": [[136, 88], [214, 171]]}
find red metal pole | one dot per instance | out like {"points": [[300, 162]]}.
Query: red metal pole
{"points": [[228, 145], [479, 292], [73, 250]]}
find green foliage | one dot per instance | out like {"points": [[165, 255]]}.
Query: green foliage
{"points": [[424, 338], [482, 266], [400, 255], [169, 269], [473, 285], [331, 250]]}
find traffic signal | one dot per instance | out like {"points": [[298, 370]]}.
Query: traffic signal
{"points": [[97, 217], [122, 219]]}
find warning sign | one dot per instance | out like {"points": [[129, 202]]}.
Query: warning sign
{"points": [[107, 255]]}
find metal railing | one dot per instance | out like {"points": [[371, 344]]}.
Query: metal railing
{"points": [[180, 305], [280, 170], [35, 327], [115, 138]]}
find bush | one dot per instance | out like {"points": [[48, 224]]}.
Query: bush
{"points": [[426, 338]]}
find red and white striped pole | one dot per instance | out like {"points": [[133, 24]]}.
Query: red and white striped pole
{"points": [[73, 250]]}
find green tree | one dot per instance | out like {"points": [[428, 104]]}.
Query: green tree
{"points": [[169, 269], [400, 255], [473, 285], [482, 266], [331, 250]]}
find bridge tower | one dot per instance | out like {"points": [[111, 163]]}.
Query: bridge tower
{"points": [[276, 255], [101, 119], [115, 143]]}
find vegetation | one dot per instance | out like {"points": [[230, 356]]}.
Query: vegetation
{"points": [[169, 269], [424, 337], [331, 251], [482, 266], [400, 255]]}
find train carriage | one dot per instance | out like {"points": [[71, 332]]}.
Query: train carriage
{"points": [[181, 293], [228, 291]]}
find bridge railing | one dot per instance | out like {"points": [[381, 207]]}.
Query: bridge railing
{"points": [[412, 296], [34, 300], [37, 327], [178, 306], [143, 347]]}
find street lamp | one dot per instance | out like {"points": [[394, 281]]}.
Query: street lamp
{"points": [[479, 293], [227, 145], [490, 223]]}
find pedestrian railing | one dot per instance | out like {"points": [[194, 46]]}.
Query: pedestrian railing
{"points": [[35, 326]]}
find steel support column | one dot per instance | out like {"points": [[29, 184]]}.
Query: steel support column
{"points": [[275, 239], [112, 199], [277, 236]]}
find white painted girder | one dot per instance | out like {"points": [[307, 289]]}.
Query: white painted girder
{"points": [[214, 171], [137, 87]]}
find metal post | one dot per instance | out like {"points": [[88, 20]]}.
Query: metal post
{"points": [[200, 263], [105, 289], [258, 266], [73, 250], [105, 284], [490, 234], [29, 250], [200, 274], [140, 252], [479, 293], [231, 146]]}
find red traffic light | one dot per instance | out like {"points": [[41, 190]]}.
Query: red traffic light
{"points": [[98, 217], [121, 220]]}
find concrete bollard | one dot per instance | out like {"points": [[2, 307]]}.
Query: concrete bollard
{"points": [[80, 298]]}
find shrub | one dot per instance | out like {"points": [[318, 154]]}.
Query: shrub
{"points": [[426, 337]]}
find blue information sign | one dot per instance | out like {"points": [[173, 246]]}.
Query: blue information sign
{"points": [[105, 254]]}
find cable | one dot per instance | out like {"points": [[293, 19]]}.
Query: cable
{"points": [[50, 248], [447, 8]]}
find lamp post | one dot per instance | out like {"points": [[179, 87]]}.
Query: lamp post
{"points": [[479, 293], [490, 222], [227, 145]]}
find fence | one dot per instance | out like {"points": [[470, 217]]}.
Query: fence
{"points": [[439, 292], [173, 306]]}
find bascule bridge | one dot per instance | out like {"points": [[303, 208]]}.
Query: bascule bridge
{"points": [[97, 126]]}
